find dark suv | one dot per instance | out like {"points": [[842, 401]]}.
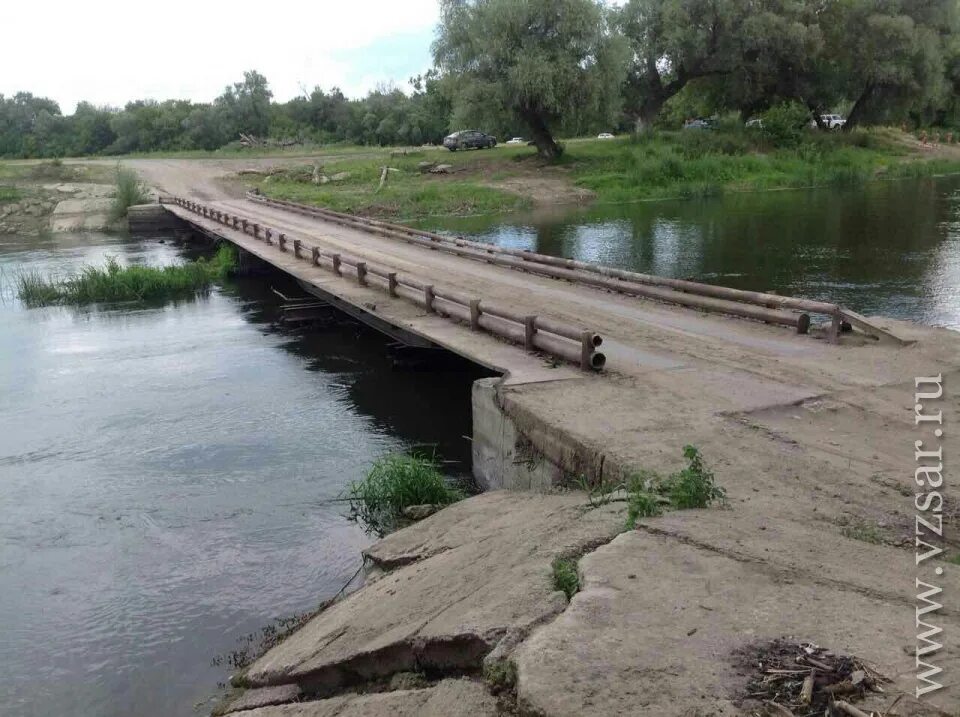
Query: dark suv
{"points": [[469, 139]]}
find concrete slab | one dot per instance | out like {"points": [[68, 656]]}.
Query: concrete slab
{"points": [[655, 630], [471, 574], [449, 698]]}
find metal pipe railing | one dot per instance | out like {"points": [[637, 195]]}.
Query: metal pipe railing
{"points": [[758, 306], [535, 333]]}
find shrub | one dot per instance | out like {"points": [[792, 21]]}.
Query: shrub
{"points": [[130, 192], [785, 124], [394, 483]]}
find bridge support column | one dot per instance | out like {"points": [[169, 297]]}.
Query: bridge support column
{"points": [[475, 314], [315, 256], [336, 265], [296, 248], [529, 331], [362, 273], [428, 297], [392, 283]]}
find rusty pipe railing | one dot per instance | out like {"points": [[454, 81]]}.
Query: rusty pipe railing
{"points": [[535, 333], [758, 306]]}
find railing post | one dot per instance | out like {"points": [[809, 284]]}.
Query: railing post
{"points": [[236, 221], [315, 255], [244, 223], [296, 248], [836, 324], [256, 230], [282, 241], [428, 297], [267, 233], [362, 273], [336, 265], [586, 350], [529, 331], [475, 314], [392, 283]]}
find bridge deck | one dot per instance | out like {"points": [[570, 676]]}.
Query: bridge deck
{"points": [[667, 366]]}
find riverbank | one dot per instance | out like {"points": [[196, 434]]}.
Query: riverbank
{"points": [[425, 182], [49, 197]]}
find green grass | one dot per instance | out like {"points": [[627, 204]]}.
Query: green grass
{"points": [[662, 165], [863, 531], [130, 192], [114, 283], [394, 483], [565, 576], [699, 164], [9, 194], [408, 193], [649, 494]]}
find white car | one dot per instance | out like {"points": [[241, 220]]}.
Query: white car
{"points": [[516, 140], [832, 121], [605, 135]]}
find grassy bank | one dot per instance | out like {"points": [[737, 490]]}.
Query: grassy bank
{"points": [[114, 283], [685, 164]]}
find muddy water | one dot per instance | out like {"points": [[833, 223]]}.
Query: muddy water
{"points": [[163, 472], [890, 248]]}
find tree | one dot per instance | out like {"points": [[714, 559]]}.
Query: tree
{"points": [[246, 105], [674, 42], [537, 59], [889, 55]]}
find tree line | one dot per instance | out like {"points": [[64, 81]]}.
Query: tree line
{"points": [[554, 68]]}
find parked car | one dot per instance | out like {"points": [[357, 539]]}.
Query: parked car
{"points": [[755, 123], [516, 140], [832, 121], [605, 135], [469, 139], [700, 123]]}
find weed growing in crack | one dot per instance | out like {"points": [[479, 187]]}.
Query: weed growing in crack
{"points": [[565, 577], [693, 487], [500, 675], [865, 532]]}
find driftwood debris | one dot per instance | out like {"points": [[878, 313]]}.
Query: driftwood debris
{"points": [[384, 173], [805, 680], [248, 140]]}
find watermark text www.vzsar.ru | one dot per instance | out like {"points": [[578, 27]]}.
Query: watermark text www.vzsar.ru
{"points": [[928, 474]]}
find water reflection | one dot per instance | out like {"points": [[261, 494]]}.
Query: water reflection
{"points": [[163, 472], [885, 248]]}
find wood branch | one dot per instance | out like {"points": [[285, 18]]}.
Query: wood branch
{"points": [[849, 709]]}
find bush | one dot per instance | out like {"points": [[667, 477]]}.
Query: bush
{"points": [[786, 124], [130, 192], [565, 576], [394, 483]]}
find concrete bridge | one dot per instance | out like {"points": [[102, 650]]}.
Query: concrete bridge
{"points": [[596, 362]]}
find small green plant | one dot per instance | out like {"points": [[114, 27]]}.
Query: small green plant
{"points": [[394, 483], [565, 577], [694, 486], [130, 192], [113, 282], [642, 505], [954, 559], [863, 531], [500, 675]]}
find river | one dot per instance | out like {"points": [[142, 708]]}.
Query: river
{"points": [[163, 478], [888, 248]]}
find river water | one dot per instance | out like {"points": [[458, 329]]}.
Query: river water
{"points": [[163, 472], [889, 248]]}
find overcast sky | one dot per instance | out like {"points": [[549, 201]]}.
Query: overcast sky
{"points": [[110, 51]]}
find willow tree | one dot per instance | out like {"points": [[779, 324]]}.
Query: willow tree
{"points": [[538, 60]]}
